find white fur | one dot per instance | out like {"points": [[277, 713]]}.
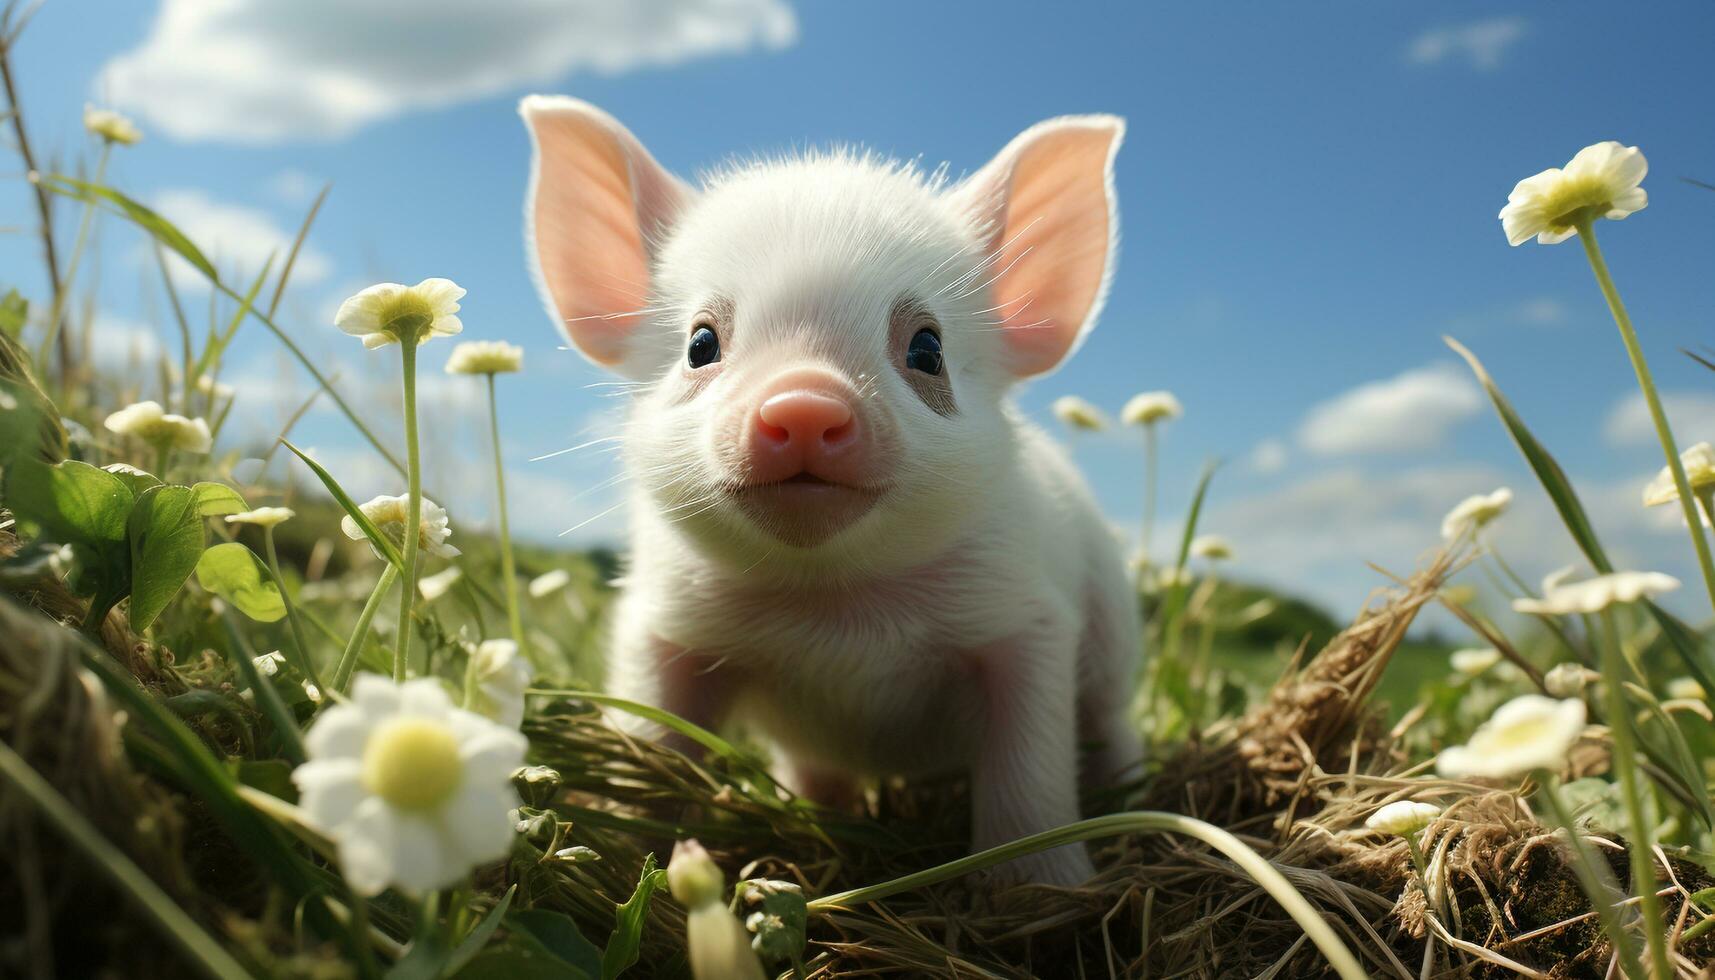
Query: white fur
{"points": [[977, 618]]}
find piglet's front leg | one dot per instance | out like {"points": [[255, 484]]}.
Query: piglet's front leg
{"points": [[1024, 779]]}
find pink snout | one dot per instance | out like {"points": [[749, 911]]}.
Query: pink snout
{"points": [[806, 427]]}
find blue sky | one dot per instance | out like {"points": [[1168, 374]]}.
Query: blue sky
{"points": [[1308, 199]]}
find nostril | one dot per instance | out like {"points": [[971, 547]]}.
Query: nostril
{"points": [[771, 432], [840, 433]]}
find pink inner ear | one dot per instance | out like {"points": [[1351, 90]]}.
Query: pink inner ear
{"points": [[1054, 238], [599, 198]]}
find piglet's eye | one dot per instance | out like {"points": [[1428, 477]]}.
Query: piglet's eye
{"points": [[924, 353], [705, 348]]}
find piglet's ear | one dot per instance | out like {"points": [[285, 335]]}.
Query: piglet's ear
{"points": [[1046, 208], [598, 206]]}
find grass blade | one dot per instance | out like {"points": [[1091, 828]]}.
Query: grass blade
{"points": [[297, 245], [164, 231], [1684, 641], [352, 510], [175, 239], [64, 818]]}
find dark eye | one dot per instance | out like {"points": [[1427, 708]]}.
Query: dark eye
{"points": [[705, 348], [924, 354]]}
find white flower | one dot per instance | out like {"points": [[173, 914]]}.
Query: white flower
{"points": [[1555, 579], [388, 515], [110, 125], [1172, 576], [485, 357], [217, 389], [548, 583], [151, 423], [269, 663], [499, 677], [715, 941], [262, 516], [1686, 689], [1475, 511], [1150, 407], [434, 586], [413, 791], [1568, 680], [1596, 594], [1699, 465], [1402, 818], [1079, 414], [1474, 661], [383, 313], [1529, 732], [1211, 546], [1600, 182]]}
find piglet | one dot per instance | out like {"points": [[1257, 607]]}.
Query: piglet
{"points": [[842, 532]]}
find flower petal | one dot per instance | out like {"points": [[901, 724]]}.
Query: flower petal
{"points": [[341, 731], [475, 825], [330, 791], [361, 314]]}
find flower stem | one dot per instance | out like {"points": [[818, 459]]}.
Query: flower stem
{"points": [[413, 508], [61, 289], [111, 861], [1687, 501], [1149, 481], [1641, 840], [1265, 874], [1593, 875], [508, 569], [305, 665], [360, 632]]}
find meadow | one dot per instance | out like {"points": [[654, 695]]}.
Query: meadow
{"points": [[198, 775]]}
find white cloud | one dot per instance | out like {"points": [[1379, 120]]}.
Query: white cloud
{"points": [[260, 71], [1410, 412], [1269, 456], [1691, 414], [1542, 311], [235, 238], [124, 347], [1482, 44], [293, 186], [1318, 536]]}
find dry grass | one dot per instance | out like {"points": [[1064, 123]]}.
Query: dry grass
{"points": [[1295, 777]]}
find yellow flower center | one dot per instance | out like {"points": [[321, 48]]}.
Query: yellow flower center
{"points": [[412, 763], [408, 315], [1572, 195], [1521, 734]]}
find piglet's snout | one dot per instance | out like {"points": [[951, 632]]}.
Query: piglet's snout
{"points": [[806, 425]]}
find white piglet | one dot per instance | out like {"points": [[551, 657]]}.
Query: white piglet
{"points": [[842, 532]]}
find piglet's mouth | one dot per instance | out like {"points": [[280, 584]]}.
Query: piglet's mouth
{"points": [[805, 510]]}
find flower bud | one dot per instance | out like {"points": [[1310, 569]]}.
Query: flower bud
{"points": [[693, 877]]}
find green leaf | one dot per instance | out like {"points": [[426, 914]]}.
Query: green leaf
{"points": [[520, 958], [216, 499], [137, 480], [1686, 643], [163, 230], [346, 504], [559, 937], [71, 500], [166, 542], [621, 950], [234, 573]]}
